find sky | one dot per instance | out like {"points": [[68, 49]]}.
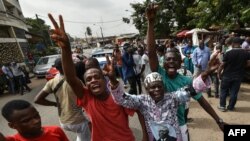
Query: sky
{"points": [[79, 14]]}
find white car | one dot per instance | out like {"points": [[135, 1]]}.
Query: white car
{"points": [[44, 64], [101, 57], [96, 50]]}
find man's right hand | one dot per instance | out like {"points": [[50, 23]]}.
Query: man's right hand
{"points": [[151, 12], [58, 34]]}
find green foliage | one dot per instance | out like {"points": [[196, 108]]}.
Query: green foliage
{"points": [[39, 27], [175, 15], [226, 13], [89, 31], [171, 16]]}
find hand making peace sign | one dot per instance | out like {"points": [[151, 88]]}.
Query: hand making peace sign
{"points": [[58, 34]]}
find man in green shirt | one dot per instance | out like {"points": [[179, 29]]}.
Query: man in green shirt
{"points": [[171, 79]]}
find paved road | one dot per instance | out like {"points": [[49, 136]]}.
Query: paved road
{"points": [[48, 114], [202, 128]]}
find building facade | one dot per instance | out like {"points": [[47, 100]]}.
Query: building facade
{"points": [[13, 43]]}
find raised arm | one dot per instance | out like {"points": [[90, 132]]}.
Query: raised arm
{"points": [[194, 58], [153, 60], [61, 39], [213, 65], [207, 107], [116, 88], [184, 94]]}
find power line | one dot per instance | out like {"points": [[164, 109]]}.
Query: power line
{"points": [[80, 22]]}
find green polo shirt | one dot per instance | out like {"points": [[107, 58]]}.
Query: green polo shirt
{"points": [[171, 85]]}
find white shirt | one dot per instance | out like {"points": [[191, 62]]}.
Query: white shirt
{"points": [[16, 70], [245, 45], [137, 61], [145, 61]]}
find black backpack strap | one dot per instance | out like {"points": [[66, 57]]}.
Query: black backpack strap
{"points": [[58, 86], [57, 101]]}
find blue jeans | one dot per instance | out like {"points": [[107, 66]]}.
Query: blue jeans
{"points": [[229, 85], [11, 85]]}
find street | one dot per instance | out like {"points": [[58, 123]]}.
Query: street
{"points": [[202, 128], [48, 114]]}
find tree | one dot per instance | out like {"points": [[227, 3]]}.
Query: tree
{"points": [[89, 31], [171, 16], [39, 27], [175, 15], [226, 13]]}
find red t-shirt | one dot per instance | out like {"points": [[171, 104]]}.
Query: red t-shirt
{"points": [[109, 120], [50, 133]]}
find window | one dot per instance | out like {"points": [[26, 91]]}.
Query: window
{"points": [[4, 32]]}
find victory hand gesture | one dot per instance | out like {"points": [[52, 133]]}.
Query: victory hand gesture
{"points": [[214, 63], [109, 69], [58, 34], [151, 11]]}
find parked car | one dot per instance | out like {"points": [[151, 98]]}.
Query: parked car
{"points": [[100, 56], [108, 46], [44, 64], [96, 50]]}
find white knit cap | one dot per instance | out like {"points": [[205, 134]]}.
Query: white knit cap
{"points": [[152, 77]]}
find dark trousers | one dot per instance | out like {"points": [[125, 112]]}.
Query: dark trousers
{"points": [[229, 85], [138, 82], [132, 83], [216, 82], [22, 83]]}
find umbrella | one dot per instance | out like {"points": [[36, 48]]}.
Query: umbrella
{"points": [[182, 33]]}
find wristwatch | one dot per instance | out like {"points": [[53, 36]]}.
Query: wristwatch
{"points": [[220, 121]]}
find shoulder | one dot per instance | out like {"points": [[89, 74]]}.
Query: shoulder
{"points": [[15, 137], [207, 48], [52, 129]]}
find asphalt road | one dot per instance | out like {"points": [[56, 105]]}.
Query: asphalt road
{"points": [[48, 114], [202, 128]]}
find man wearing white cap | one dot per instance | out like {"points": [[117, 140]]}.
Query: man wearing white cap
{"points": [[158, 108]]}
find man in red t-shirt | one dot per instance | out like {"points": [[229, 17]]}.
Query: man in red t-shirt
{"points": [[109, 120], [23, 117]]}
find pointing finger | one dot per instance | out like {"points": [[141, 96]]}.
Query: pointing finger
{"points": [[53, 21], [61, 22]]}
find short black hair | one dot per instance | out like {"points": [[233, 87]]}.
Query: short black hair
{"points": [[58, 65], [92, 63], [80, 70], [13, 105], [237, 40], [160, 48], [176, 52]]}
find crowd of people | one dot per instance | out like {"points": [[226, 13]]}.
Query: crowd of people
{"points": [[93, 103], [16, 77]]}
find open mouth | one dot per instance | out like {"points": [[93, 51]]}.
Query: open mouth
{"points": [[157, 95], [95, 87], [171, 69]]}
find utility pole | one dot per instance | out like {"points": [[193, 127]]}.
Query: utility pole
{"points": [[102, 35], [86, 39], [51, 42]]}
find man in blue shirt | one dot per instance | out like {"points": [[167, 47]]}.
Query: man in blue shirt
{"points": [[201, 56], [128, 67]]}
